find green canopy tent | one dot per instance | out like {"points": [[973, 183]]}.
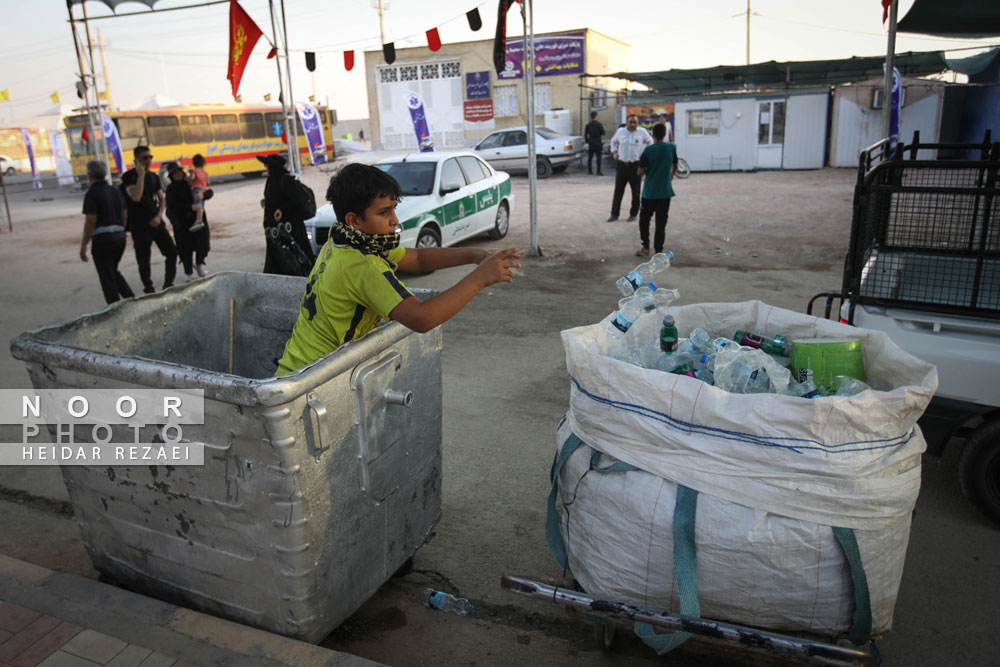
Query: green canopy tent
{"points": [[953, 18]]}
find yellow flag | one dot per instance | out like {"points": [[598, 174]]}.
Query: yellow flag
{"points": [[239, 99], [5, 95], [54, 97], [102, 95], [267, 97]]}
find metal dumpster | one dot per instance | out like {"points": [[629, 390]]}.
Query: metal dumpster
{"points": [[317, 486]]}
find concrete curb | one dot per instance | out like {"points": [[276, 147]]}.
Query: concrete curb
{"points": [[187, 635]]}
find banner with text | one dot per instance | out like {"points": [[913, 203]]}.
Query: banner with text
{"points": [[554, 54], [479, 115], [477, 86], [114, 142], [314, 132], [419, 117]]}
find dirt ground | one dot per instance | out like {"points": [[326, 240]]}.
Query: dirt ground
{"points": [[775, 236]]}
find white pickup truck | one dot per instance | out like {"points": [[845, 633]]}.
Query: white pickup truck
{"points": [[924, 266]]}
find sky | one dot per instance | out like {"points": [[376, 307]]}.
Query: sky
{"points": [[182, 54]]}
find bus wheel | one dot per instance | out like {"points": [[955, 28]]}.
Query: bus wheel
{"points": [[253, 174]]}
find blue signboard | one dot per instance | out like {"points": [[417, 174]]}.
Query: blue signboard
{"points": [[477, 86]]}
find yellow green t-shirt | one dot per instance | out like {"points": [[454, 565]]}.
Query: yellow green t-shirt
{"points": [[348, 293]]}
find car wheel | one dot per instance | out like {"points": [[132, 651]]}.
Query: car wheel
{"points": [[543, 167], [560, 169], [429, 237], [979, 469], [11, 171], [502, 223]]}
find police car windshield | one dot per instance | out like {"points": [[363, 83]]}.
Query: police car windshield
{"points": [[415, 178]]}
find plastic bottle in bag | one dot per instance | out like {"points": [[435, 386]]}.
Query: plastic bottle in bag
{"points": [[844, 385], [668, 335], [778, 345], [627, 314]]}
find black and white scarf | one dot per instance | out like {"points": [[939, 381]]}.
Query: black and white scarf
{"points": [[375, 244]]}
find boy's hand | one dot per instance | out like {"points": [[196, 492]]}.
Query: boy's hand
{"points": [[498, 265]]}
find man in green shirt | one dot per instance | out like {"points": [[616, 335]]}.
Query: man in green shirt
{"points": [[353, 285], [658, 163]]}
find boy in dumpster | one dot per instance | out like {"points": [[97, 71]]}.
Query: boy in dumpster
{"points": [[353, 284]]}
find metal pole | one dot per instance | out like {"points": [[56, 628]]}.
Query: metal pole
{"points": [[890, 63], [748, 32], [10, 221], [290, 122], [104, 67], [277, 64], [528, 14], [381, 24], [103, 144], [83, 78]]}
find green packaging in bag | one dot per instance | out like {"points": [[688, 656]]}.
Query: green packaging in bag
{"points": [[827, 358]]}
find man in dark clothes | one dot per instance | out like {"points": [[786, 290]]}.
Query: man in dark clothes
{"points": [[288, 251], [146, 204], [592, 136], [181, 210], [104, 231]]}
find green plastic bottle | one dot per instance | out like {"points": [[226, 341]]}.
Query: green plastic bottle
{"points": [[777, 345], [668, 335]]}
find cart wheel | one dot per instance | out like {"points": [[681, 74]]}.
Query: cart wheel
{"points": [[604, 633]]}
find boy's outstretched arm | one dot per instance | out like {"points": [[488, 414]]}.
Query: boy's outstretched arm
{"points": [[424, 316], [420, 260]]}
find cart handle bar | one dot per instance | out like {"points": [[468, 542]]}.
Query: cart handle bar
{"points": [[812, 652]]}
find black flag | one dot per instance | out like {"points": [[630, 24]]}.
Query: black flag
{"points": [[310, 61], [500, 41], [475, 22], [389, 51]]}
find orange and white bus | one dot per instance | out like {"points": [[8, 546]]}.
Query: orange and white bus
{"points": [[229, 136]]}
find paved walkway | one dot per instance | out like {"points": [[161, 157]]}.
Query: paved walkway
{"points": [[53, 619]]}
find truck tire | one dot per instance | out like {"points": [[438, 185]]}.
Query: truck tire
{"points": [[979, 469]]}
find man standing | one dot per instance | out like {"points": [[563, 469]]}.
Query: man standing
{"points": [[658, 163], [592, 135], [104, 231], [146, 205], [626, 146], [665, 121]]}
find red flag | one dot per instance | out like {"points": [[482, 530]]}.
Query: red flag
{"points": [[433, 39], [85, 135], [243, 36], [272, 53], [348, 60], [885, 9]]}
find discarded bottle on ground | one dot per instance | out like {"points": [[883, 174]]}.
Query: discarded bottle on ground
{"points": [[446, 602], [643, 274], [778, 345]]}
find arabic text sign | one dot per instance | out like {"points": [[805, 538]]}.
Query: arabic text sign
{"points": [[557, 54], [477, 85]]}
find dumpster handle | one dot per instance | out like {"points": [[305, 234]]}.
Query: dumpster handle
{"points": [[314, 404], [404, 398]]}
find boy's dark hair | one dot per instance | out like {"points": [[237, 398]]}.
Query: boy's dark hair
{"points": [[355, 187], [659, 131], [593, 115], [140, 150], [198, 160]]}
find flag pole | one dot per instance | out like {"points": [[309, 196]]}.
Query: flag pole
{"points": [[103, 144], [527, 12], [290, 123], [281, 79], [890, 63]]}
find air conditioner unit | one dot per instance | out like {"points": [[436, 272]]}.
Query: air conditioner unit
{"points": [[878, 93]]}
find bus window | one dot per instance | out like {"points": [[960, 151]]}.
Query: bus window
{"points": [[225, 127], [132, 132], [164, 130], [275, 123], [196, 129], [252, 126], [77, 146]]}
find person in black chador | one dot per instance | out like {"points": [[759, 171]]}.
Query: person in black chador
{"points": [[104, 231], [285, 210], [146, 203], [182, 211]]}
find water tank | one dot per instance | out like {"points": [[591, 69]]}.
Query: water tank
{"points": [[560, 120]]}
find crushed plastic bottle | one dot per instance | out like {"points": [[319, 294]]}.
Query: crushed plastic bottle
{"points": [[445, 602], [749, 371], [643, 273], [844, 385]]}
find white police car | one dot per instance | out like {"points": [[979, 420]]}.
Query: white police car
{"points": [[447, 197]]}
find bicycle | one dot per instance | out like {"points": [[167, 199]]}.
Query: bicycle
{"points": [[683, 170]]}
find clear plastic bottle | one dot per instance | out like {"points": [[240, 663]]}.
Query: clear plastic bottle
{"points": [[844, 385], [643, 274], [705, 375], [699, 341], [445, 602], [628, 312], [749, 371]]}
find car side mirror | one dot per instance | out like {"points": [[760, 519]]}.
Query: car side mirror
{"points": [[447, 188]]}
